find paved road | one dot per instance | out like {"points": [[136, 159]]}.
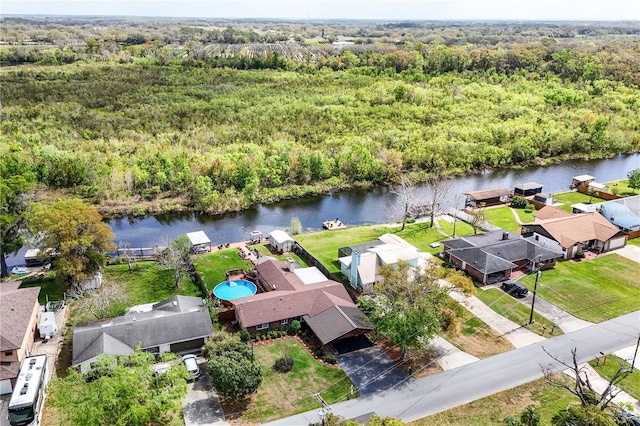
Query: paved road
{"points": [[422, 397]]}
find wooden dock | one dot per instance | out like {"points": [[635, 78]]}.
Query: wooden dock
{"points": [[333, 225]]}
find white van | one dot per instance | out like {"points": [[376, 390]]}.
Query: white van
{"points": [[191, 364]]}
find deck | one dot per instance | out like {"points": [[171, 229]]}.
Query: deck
{"points": [[333, 225]]}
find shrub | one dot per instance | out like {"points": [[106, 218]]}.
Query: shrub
{"points": [[318, 353], [294, 327], [529, 208], [284, 364], [329, 359], [244, 336], [519, 202]]}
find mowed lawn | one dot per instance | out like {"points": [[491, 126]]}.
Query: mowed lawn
{"points": [[503, 217], [212, 266], [595, 290], [568, 198], [285, 394]]}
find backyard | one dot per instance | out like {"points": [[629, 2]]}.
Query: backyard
{"points": [[594, 290], [503, 217], [573, 197], [284, 394]]}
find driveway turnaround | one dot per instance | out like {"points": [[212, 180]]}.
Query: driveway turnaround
{"points": [[371, 369], [201, 405], [419, 398]]}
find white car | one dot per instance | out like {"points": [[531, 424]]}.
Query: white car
{"points": [[191, 364], [434, 245]]}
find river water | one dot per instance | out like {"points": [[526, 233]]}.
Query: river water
{"points": [[355, 207]]}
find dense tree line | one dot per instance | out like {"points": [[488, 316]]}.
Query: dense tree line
{"points": [[133, 120]]}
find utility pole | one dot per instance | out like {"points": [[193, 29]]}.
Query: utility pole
{"points": [[635, 354], [533, 302], [324, 409]]}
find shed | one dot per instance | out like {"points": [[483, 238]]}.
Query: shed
{"points": [[255, 236], [528, 189], [199, 242], [47, 325], [488, 197], [582, 180], [281, 241], [595, 186]]}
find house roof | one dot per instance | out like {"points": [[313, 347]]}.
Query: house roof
{"points": [[583, 178], [337, 321], [568, 231], [197, 238], [16, 308], [291, 297], [481, 260], [9, 370], [597, 185], [528, 186], [488, 193], [624, 212], [280, 236], [457, 243], [550, 212], [178, 319]]}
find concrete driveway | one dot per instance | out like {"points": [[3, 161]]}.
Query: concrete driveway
{"points": [[371, 369], [201, 405]]}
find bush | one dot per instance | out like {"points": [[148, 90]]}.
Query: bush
{"points": [[529, 208], [519, 202], [283, 365], [294, 327], [329, 359], [244, 336]]}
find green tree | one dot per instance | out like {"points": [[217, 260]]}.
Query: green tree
{"points": [[295, 227], [234, 375], [634, 179], [76, 234], [407, 303], [14, 202], [125, 392]]}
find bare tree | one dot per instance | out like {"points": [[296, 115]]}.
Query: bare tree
{"points": [[124, 250], [438, 187], [408, 199], [176, 258], [582, 387], [106, 301], [476, 217]]}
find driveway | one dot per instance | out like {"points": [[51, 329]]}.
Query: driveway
{"points": [[630, 252], [201, 405], [371, 369]]}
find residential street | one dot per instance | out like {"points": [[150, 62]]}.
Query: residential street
{"points": [[438, 392]]}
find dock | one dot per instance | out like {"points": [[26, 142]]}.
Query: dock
{"points": [[333, 225]]}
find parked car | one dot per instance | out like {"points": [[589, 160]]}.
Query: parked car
{"points": [[191, 363], [514, 288], [630, 419]]}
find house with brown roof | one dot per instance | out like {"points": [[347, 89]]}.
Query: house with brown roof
{"points": [[549, 212], [488, 197], [19, 316], [302, 294], [576, 233]]}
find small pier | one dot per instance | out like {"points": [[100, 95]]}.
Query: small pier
{"points": [[333, 225]]}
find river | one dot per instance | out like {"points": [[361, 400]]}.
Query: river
{"points": [[355, 207]]}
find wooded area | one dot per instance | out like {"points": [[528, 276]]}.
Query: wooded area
{"points": [[216, 116]]}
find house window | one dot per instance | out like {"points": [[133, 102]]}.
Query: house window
{"points": [[262, 326], [8, 353], [284, 322], [537, 237]]}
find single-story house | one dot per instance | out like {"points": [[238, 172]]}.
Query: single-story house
{"points": [[180, 324], [280, 241], [493, 256], [579, 232], [623, 213], [360, 264], [19, 317], [582, 180], [583, 208], [302, 294], [199, 242], [527, 189], [487, 197]]}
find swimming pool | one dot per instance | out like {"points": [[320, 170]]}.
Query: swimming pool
{"points": [[229, 290]]}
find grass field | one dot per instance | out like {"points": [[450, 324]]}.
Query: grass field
{"points": [[595, 290], [48, 287], [491, 410], [634, 242], [502, 217], [515, 311], [568, 198], [622, 186], [284, 394], [607, 369], [212, 266]]}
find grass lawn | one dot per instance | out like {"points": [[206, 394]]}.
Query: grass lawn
{"points": [[212, 266], [324, 245], [285, 394], [574, 197], [595, 290], [524, 216], [503, 218], [475, 337], [148, 283], [510, 308], [634, 242], [264, 251], [622, 187], [630, 384], [463, 229], [492, 409], [48, 287]]}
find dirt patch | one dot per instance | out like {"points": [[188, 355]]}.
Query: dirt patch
{"points": [[416, 363], [481, 345]]}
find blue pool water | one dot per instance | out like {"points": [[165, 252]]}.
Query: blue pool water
{"points": [[229, 290]]}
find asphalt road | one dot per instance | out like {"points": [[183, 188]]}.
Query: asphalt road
{"points": [[439, 392]]}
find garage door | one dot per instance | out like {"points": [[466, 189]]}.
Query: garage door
{"points": [[5, 387], [616, 243]]}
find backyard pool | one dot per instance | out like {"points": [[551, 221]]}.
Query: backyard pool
{"points": [[229, 290]]}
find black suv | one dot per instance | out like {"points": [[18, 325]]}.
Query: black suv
{"points": [[514, 288]]}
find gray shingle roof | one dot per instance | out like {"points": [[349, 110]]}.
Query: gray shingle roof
{"points": [[482, 261], [337, 321], [167, 323]]}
